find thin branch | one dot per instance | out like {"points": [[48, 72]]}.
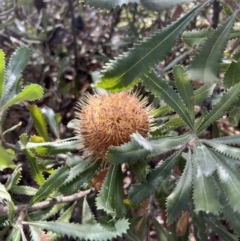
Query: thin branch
{"points": [[47, 203]]}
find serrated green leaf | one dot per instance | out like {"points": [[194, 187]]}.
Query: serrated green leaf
{"points": [[39, 121], [15, 235], [14, 178], [179, 198], [50, 118], [141, 191], [224, 104], [162, 233], [161, 145], [84, 176], [232, 75], [141, 169], [2, 68], [220, 229], [24, 190], [34, 233], [196, 37], [206, 63], [87, 216], [108, 4], [34, 170], [229, 140], [203, 92], [17, 63], [229, 213], [185, 89], [29, 93], [110, 197], [172, 124], [125, 71], [234, 116], [56, 147], [51, 184], [224, 149], [157, 5], [204, 160], [230, 182], [5, 160], [205, 193], [161, 89], [162, 111], [84, 231], [4, 195], [127, 153]]}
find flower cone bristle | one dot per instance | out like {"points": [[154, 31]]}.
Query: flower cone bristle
{"points": [[109, 120]]}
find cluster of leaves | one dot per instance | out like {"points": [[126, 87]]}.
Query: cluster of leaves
{"points": [[208, 188]]}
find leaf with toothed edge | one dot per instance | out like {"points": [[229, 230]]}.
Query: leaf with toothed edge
{"points": [[24, 190], [14, 179], [16, 65], [2, 68], [29, 93], [141, 169], [228, 151], [206, 63], [125, 71], [95, 232], [224, 104], [140, 191], [203, 92], [110, 197], [108, 4], [204, 192], [228, 140], [185, 89], [204, 159], [161, 89], [229, 179], [161, 145], [35, 233], [179, 198], [53, 183]]}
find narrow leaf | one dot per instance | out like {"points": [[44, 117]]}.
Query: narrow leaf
{"points": [[205, 193], [141, 170], [225, 103], [125, 71], [17, 63], [29, 93], [39, 121], [5, 160], [204, 160], [108, 4], [84, 231], [232, 75], [141, 191], [185, 89], [162, 233], [87, 216], [24, 190], [179, 198], [34, 170], [196, 37], [161, 89], [51, 184], [14, 178], [2, 68], [229, 140], [203, 92], [205, 64]]}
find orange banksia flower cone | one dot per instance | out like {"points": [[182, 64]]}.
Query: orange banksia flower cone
{"points": [[104, 120]]}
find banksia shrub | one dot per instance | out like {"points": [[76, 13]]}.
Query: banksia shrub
{"points": [[105, 120]]}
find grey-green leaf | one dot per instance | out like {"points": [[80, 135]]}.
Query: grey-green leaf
{"points": [[203, 92], [161, 89], [16, 65], [108, 4], [51, 184], [125, 71], [205, 64], [224, 104], [84, 231], [179, 198], [141, 191], [205, 160]]}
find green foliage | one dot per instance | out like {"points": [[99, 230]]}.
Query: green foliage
{"points": [[190, 171]]}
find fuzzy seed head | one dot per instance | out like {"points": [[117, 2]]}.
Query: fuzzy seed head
{"points": [[109, 120]]}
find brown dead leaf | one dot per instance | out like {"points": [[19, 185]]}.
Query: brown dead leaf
{"points": [[182, 224], [97, 180]]}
